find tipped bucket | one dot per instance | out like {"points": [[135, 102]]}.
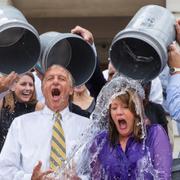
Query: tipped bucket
{"points": [[19, 42], [70, 51], [140, 50]]}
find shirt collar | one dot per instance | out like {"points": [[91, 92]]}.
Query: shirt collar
{"points": [[64, 112]]}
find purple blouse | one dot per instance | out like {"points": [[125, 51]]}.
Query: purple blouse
{"points": [[152, 161]]}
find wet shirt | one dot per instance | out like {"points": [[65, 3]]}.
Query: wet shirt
{"points": [[112, 163]]}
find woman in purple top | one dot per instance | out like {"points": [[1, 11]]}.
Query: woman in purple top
{"points": [[127, 149]]}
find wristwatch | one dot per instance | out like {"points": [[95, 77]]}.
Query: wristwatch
{"points": [[173, 70]]}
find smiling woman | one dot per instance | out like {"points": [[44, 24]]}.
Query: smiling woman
{"points": [[20, 100]]}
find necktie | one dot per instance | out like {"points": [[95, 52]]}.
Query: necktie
{"points": [[58, 146]]}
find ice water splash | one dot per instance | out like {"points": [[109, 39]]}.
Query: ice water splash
{"points": [[99, 123], [145, 166]]}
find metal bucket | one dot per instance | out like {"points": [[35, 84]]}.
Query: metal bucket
{"points": [[70, 51], [19, 42], [140, 50]]}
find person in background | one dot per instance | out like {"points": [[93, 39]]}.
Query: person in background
{"points": [[21, 99], [45, 138], [127, 147], [82, 98], [173, 87], [109, 72]]}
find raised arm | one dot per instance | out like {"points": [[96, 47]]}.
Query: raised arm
{"points": [[6, 81]]}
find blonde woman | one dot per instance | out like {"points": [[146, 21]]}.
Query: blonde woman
{"points": [[20, 100]]}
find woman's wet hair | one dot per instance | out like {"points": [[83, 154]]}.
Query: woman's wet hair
{"points": [[125, 98]]}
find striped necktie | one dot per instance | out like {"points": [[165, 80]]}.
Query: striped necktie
{"points": [[58, 146]]}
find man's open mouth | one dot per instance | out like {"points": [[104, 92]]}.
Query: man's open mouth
{"points": [[55, 93]]}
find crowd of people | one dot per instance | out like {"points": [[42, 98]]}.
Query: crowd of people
{"points": [[132, 140]]}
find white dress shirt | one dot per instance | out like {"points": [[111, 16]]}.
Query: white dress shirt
{"points": [[156, 92], [29, 140]]}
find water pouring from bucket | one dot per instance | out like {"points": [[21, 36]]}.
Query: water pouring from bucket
{"points": [[19, 42], [140, 50]]}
